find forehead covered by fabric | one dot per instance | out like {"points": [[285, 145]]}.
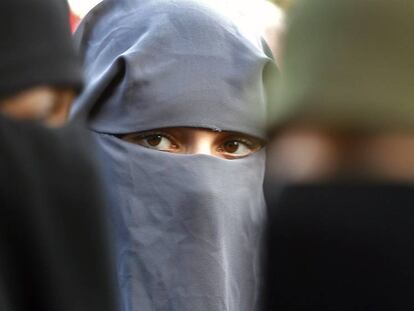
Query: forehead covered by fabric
{"points": [[349, 63], [159, 63]]}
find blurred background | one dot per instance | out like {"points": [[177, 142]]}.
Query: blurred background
{"points": [[264, 16], [82, 7]]}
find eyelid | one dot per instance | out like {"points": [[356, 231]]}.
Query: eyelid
{"points": [[246, 141], [251, 143], [153, 133], [142, 135], [145, 135]]}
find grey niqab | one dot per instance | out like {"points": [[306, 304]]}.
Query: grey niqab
{"points": [[189, 227]]}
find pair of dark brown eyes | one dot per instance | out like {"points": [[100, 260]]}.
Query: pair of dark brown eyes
{"points": [[164, 143], [229, 146]]}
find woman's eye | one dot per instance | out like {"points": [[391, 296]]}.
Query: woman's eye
{"points": [[158, 142], [237, 148]]}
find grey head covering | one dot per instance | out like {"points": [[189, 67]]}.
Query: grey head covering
{"points": [[188, 227]]}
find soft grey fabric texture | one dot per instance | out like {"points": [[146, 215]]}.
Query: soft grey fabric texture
{"points": [[170, 63], [189, 228]]}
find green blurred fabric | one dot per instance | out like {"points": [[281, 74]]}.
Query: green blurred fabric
{"points": [[348, 64]]}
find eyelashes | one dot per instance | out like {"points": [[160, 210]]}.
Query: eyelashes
{"points": [[226, 145], [159, 141], [249, 142], [154, 133]]}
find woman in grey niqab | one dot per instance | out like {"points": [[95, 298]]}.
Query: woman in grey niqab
{"points": [[188, 226]]}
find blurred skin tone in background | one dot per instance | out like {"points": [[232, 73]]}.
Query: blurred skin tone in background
{"points": [[40, 70], [45, 104], [303, 153]]}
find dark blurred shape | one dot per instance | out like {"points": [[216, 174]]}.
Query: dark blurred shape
{"points": [[36, 46], [341, 168], [342, 247], [54, 250], [54, 253]]}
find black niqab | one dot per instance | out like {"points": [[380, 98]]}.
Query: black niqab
{"points": [[342, 247], [53, 248]]}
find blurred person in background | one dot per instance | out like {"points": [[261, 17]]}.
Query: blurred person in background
{"points": [[341, 228], [53, 235], [39, 68], [176, 103]]}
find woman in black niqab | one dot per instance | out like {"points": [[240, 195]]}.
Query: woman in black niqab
{"points": [[53, 238], [54, 252]]}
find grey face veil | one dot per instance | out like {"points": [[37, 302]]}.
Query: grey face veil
{"points": [[188, 227]]}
